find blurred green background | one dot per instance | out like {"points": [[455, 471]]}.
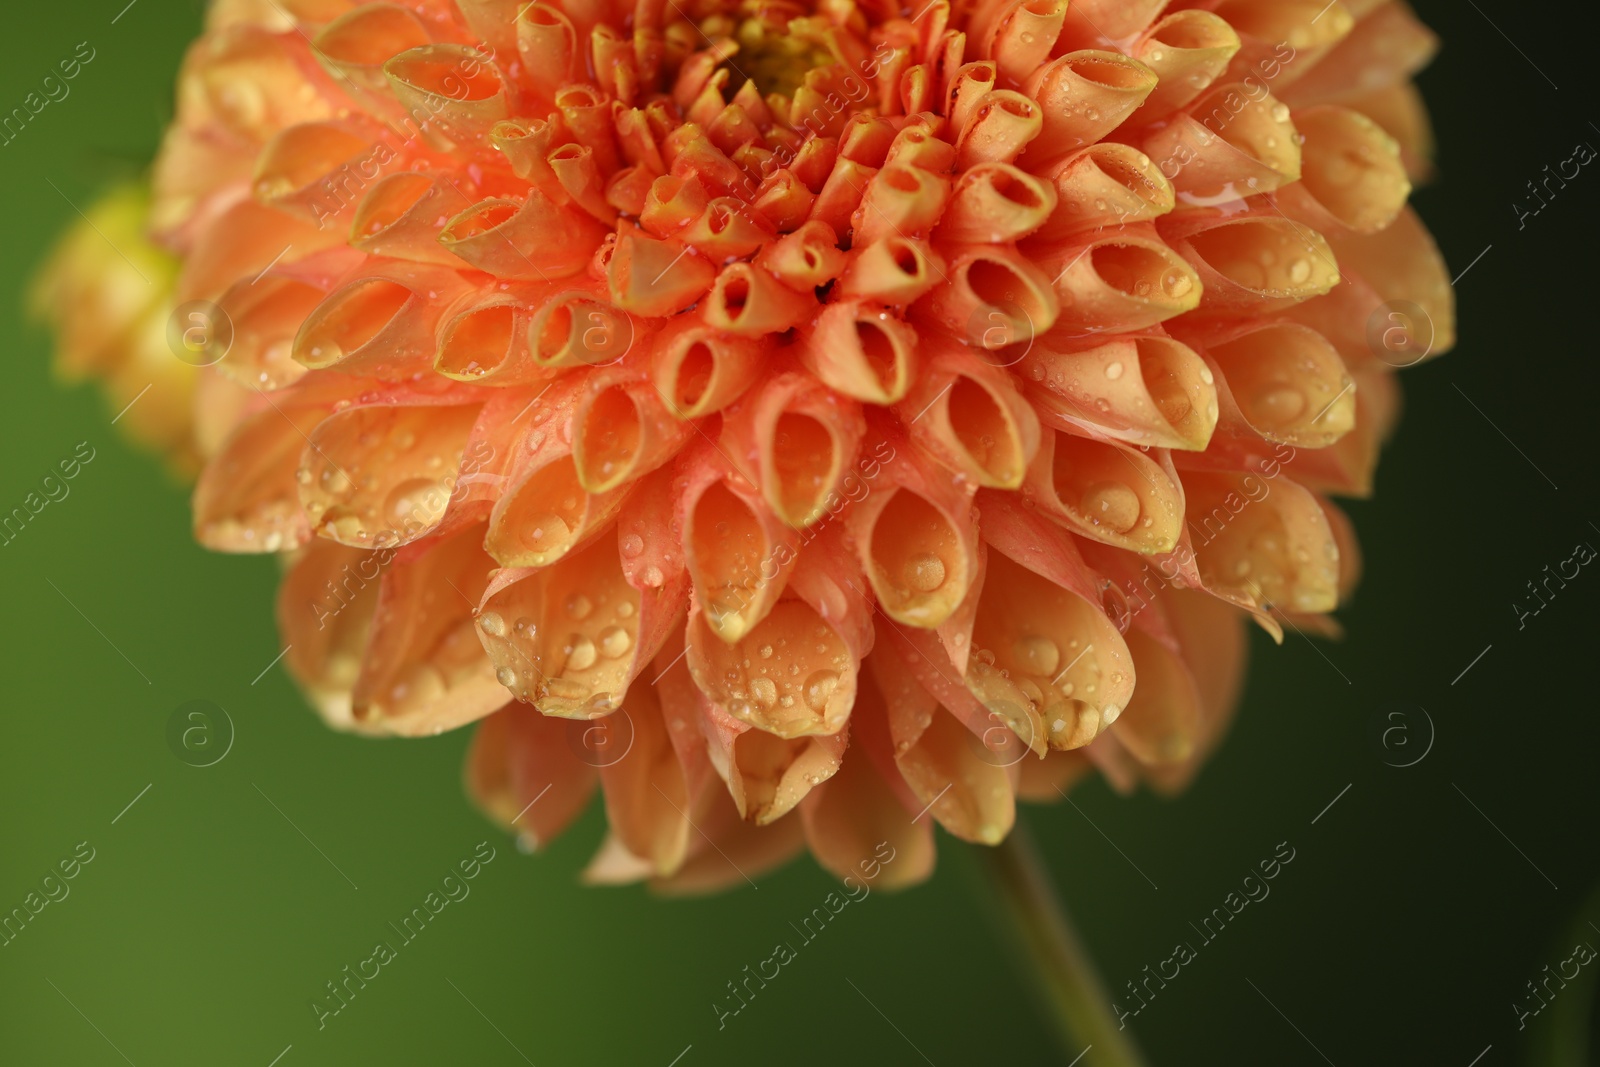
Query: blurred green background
{"points": [[1403, 932]]}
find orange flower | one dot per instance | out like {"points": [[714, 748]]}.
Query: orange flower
{"points": [[792, 418]]}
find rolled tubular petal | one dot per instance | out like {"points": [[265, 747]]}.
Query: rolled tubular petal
{"points": [[247, 498], [1021, 38], [1283, 39], [901, 200], [873, 744], [1255, 264], [1084, 96], [1286, 383], [324, 609], [252, 240], [1231, 144], [1346, 467], [1262, 545], [545, 512], [1187, 50], [575, 327], [306, 170], [459, 89], [994, 203], [519, 756], [750, 302], [797, 441], [424, 671], [1107, 492], [1385, 48], [698, 370], [266, 313], [382, 323], [1146, 390], [970, 793], [1043, 649], [622, 430], [565, 637], [1352, 176], [1211, 637], [1001, 125], [356, 45], [916, 537], [549, 46], [534, 239], [993, 297], [739, 552], [1400, 110], [635, 782], [805, 259], [1403, 264], [1161, 724], [1124, 279], [861, 350], [858, 828], [485, 341], [1105, 184], [402, 216], [894, 270], [731, 851], [969, 415], [747, 681], [381, 475], [650, 277]]}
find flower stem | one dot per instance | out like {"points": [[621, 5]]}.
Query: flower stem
{"points": [[1064, 977]]}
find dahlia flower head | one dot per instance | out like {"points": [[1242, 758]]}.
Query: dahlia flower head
{"points": [[805, 420]]}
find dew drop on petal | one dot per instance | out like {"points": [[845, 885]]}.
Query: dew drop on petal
{"points": [[580, 652], [818, 687], [765, 691], [1111, 504], [615, 641], [924, 572], [1037, 654]]}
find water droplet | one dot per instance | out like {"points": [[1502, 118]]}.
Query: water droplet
{"points": [[1278, 406], [1037, 654], [580, 652], [632, 545], [819, 686], [1300, 271], [545, 532], [924, 572], [1111, 504], [615, 641], [579, 606], [492, 624], [1114, 370], [1177, 283], [765, 691], [506, 677]]}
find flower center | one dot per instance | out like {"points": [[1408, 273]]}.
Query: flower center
{"points": [[778, 55]]}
